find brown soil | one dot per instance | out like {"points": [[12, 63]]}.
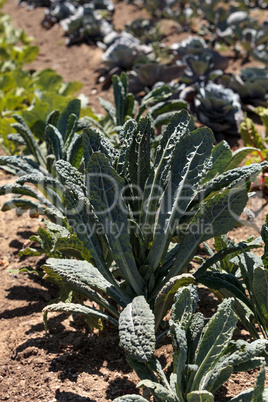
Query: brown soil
{"points": [[69, 363]]}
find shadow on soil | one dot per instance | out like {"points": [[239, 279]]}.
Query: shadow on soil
{"points": [[63, 396], [37, 294], [75, 352]]}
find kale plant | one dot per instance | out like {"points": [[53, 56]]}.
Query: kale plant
{"points": [[59, 141], [157, 103], [242, 275], [204, 354], [138, 211], [135, 208]]}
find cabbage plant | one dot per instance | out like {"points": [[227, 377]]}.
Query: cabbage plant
{"points": [[219, 108], [204, 354], [87, 24], [251, 84], [125, 51], [181, 11], [197, 47]]}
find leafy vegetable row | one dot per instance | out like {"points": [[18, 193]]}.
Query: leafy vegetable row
{"points": [[197, 69]]}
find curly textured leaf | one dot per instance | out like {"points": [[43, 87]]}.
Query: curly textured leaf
{"points": [[178, 125], [53, 137], [15, 188], [73, 107], [139, 154], [189, 165], [72, 308], [28, 137], [216, 337], [260, 292], [69, 175], [216, 377], [16, 138], [164, 299], [34, 208], [249, 356], [77, 209], [215, 219], [185, 302], [50, 187], [180, 349], [126, 136], [137, 331], [221, 156], [194, 333], [104, 188], [16, 165], [71, 127], [73, 246], [75, 151], [23, 204], [94, 141], [158, 390], [123, 102], [82, 276], [39, 178], [233, 177], [109, 108]]}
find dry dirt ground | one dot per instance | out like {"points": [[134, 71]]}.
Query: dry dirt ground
{"points": [[69, 363]]}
